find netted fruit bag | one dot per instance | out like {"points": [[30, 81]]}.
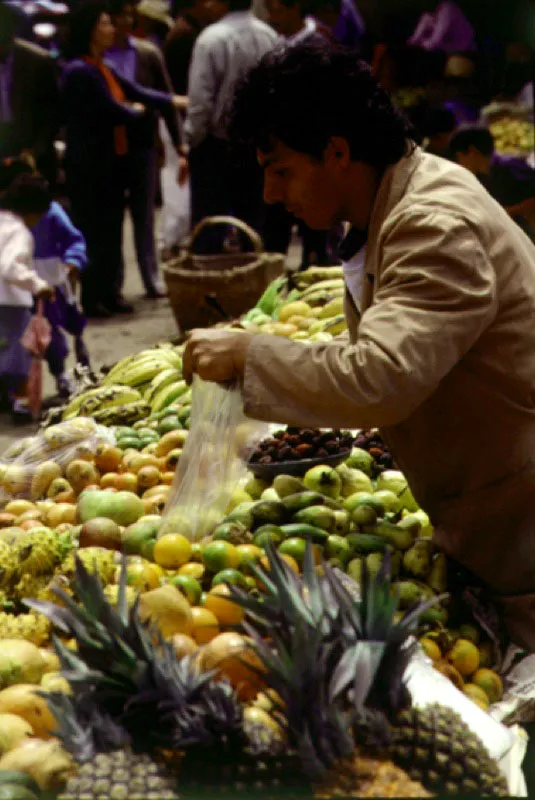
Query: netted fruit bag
{"points": [[213, 462], [29, 466]]}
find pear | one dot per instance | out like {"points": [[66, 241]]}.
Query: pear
{"points": [[353, 480], [417, 560], [255, 486], [360, 459], [438, 575], [286, 485], [325, 480]]}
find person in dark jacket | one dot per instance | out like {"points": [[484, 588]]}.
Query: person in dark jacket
{"points": [[102, 113], [140, 60], [29, 97]]}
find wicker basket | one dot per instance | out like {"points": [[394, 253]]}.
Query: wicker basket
{"points": [[201, 296]]}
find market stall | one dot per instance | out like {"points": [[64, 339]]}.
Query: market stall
{"points": [[193, 603]]}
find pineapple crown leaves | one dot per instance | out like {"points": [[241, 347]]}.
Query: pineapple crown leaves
{"points": [[83, 728], [132, 673]]}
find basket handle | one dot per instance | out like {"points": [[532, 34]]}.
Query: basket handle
{"points": [[256, 239]]}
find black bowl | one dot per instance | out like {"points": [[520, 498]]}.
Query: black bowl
{"points": [[267, 472]]}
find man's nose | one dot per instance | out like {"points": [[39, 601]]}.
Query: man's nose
{"points": [[272, 192]]}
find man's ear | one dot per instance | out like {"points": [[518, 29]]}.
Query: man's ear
{"points": [[338, 152]]}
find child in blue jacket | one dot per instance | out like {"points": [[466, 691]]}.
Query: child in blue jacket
{"points": [[59, 258]]}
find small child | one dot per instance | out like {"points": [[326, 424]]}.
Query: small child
{"points": [[22, 205], [60, 256]]}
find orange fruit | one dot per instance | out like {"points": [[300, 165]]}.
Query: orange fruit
{"points": [[154, 504], [192, 569], [450, 672], [172, 551], [155, 490], [143, 460], [107, 458], [464, 656], [227, 612], [218, 555], [110, 480], [143, 575], [148, 476], [490, 682], [431, 649], [477, 694], [232, 656], [184, 645], [127, 482], [205, 625]]}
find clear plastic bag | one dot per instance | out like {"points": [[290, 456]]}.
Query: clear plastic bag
{"points": [[220, 441], [29, 465]]}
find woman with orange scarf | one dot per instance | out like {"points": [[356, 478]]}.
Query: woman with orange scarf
{"points": [[100, 109]]}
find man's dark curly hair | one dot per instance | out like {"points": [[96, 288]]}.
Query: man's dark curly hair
{"points": [[306, 93]]}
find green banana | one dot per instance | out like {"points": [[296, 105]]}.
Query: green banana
{"points": [[317, 274], [163, 379], [123, 415], [168, 394]]}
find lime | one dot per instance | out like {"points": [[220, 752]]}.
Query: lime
{"points": [[294, 547], [196, 552], [190, 587], [168, 424], [249, 554], [147, 549], [218, 555], [268, 533], [129, 441], [338, 547], [229, 576]]}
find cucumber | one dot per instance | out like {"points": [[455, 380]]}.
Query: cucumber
{"points": [[304, 531], [294, 503], [364, 543], [129, 441], [318, 516]]}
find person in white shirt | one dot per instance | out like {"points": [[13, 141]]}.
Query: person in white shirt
{"points": [[223, 54], [22, 205]]}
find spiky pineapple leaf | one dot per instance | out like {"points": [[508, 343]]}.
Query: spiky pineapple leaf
{"points": [[357, 669]]}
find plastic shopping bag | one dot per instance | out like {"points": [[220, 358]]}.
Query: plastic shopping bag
{"points": [[213, 461], [30, 465], [36, 339], [175, 216]]}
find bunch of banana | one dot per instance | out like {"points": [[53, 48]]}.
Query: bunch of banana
{"points": [[123, 415], [134, 371], [94, 401], [317, 275], [164, 389]]}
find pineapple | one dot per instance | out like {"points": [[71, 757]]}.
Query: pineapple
{"points": [[94, 559], [40, 552], [111, 594], [125, 674], [34, 628], [9, 565], [351, 657], [30, 586]]}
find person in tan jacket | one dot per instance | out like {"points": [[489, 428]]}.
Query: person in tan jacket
{"points": [[442, 354]]}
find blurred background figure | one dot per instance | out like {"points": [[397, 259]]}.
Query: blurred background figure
{"points": [[153, 21], [444, 27], [221, 184], [510, 180], [438, 126], [193, 16], [29, 97], [141, 61], [341, 20]]}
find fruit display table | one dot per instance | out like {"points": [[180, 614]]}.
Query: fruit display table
{"points": [[300, 643]]}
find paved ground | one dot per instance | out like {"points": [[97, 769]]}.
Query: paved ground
{"points": [[109, 340]]}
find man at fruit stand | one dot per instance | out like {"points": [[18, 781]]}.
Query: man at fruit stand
{"points": [[442, 354]]}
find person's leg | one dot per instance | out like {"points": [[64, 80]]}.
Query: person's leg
{"points": [[84, 204], [142, 180], [110, 271], [210, 191]]}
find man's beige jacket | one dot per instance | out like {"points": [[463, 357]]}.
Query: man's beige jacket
{"points": [[443, 361]]}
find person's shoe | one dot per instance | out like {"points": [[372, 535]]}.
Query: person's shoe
{"points": [[97, 311], [20, 413], [155, 294], [120, 306], [64, 387]]}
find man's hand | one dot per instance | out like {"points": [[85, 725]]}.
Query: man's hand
{"points": [[180, 102], [73, 275], [48, 293], [216, 355], [183, 171]]}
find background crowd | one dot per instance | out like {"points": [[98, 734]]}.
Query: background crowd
{"points": [[111, 101]]}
